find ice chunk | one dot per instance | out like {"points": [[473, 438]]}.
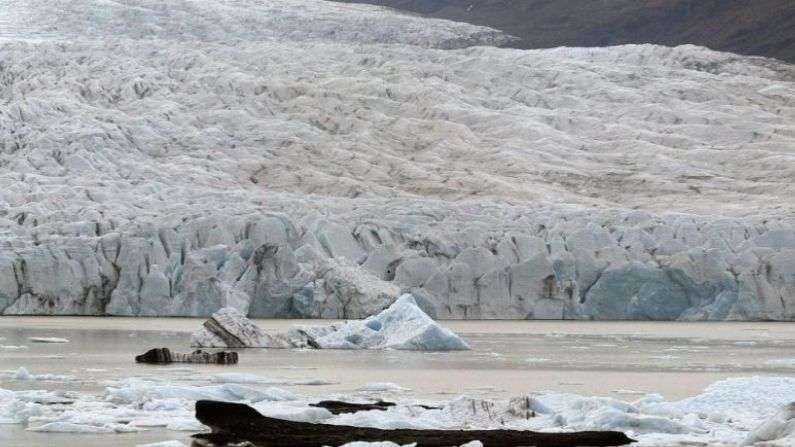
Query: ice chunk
{"points": [[608, 418], [403, 325], [741, 397], [70, 427], [253, 378], [172, 443], [294, 411], [381, 386], [14, 410], [136, 390], [780, 426], [185, 424], [23, 375], [230, 328]]}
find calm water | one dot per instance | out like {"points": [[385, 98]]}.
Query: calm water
{"points": [[619, 359]]}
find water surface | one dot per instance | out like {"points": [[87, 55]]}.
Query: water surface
{"points": [[618, 359]]}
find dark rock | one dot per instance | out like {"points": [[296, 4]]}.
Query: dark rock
{"points": [[233, 423], [340, 407], [165, 356], [752, 27]]}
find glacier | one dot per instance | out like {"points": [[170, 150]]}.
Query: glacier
{"points": [[300, 158]]}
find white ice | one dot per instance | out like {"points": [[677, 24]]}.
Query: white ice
{"points": [[403, 325], [23, 375], [732, 411]]}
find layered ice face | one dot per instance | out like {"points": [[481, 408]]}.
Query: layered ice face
{"points": [[301, 158]]}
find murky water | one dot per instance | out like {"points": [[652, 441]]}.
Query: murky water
{"points": [[619, 359]]}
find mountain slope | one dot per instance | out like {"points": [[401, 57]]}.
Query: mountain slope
{"points": [[751, 27]]}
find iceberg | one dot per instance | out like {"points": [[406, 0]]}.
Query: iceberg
{"points": [[402, 326], [229, 328]]}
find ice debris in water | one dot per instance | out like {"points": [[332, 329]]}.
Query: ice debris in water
{"points": [[137, 390], [730, 411], [23, 375], [253, 378], [381, 386], [403, 325]]}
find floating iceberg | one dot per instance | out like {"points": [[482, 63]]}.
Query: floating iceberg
{"points": [[229, 328], [403, 325]]}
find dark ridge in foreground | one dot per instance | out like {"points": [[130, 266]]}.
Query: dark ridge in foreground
{"points": [[235, 423], [751, 27]]}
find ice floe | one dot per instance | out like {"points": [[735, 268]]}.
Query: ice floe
{"points": [[753, 411]]}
